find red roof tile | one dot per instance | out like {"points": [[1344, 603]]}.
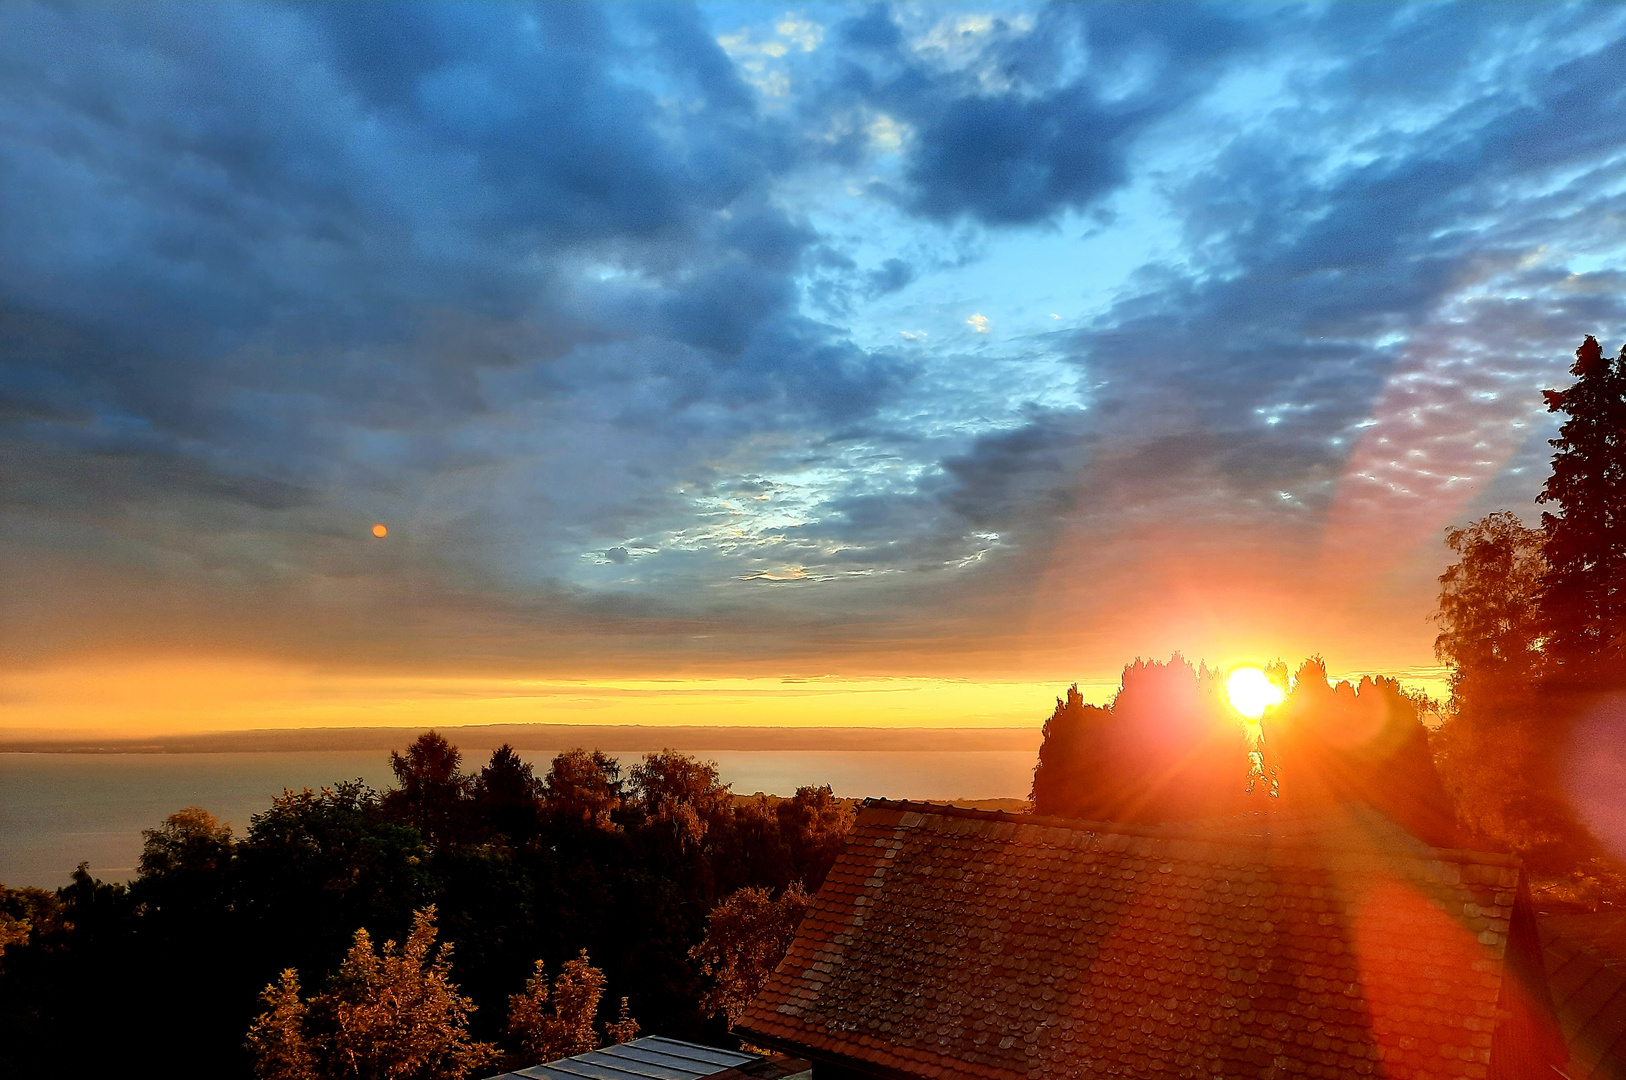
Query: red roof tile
{"points": [[954, 943]]}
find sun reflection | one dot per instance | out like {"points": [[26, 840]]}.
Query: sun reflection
{"points": [[1252, 692]]}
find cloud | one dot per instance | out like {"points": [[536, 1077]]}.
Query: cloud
{"points": [[889, 277], [612, 337], [1011, 127]]}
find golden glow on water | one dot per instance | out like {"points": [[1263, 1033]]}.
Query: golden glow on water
{"points": [[1252, 692]]}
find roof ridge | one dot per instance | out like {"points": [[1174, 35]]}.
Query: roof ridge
{"points": [[1173, 831]]}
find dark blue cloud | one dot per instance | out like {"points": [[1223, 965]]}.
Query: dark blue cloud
{"points": [[598, 298], [1009, 160], [1057, 136]]}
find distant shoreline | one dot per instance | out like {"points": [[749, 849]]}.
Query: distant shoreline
{"points": [[608, 737]]}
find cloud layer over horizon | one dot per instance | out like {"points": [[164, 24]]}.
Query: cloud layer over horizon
{"points": [[998, 339]]}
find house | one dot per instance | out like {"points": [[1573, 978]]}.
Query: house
{"points": [[655, 1058], [950, 943]]}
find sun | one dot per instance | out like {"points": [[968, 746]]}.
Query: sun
{"points": [[1251, 692], [380, 531]]}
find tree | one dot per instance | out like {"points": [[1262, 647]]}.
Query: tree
{"points": [[681, 793], [746, 937], [623, 1028], [583, 788], [277, 1038], [1168, 748], [557, 1022], [815, 824], [1171, 747], [390, 1014], [432, 789], [13, 931], [24, 913], [509, 794], [1583, 602], [396, 1013], [188, 840], [1362, 743], [1495, 762], [1490, 629]]}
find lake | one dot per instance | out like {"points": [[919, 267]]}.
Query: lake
{"points": [[57, 810]]}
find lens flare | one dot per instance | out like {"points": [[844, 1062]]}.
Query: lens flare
{"points": [[380, 531], [1251, 692]]}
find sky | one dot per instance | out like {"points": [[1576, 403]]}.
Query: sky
{"points": [[752, 363]]}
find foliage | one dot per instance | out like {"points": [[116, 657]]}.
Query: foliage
{"points": [[508, 795], [1170, 748], [814, 823], [623, 1028], [390, 1014], [432, 789], [1341, 743], [277, 1038], [13, 931], [189, 839], [584, 788], [1490, 632], [746, 937], [518, 868], [1531, 625], [680, 794], [549, 1024], [1583, 599], [23, 912]]}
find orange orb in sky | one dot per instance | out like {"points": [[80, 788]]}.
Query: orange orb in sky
{"points": [[380, 532]]}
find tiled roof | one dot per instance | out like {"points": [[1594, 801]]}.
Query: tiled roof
{"points": [[1586, 968], [649, 1058], [951, 943]]}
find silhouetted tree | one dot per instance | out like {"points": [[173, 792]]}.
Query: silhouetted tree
{"points": [[1492, 752], [1168, 748], [189, 839], [618, 871], [1363, 744], [13, 929], [1583, 601], [746, 937], [432, 789], [1490, 629], [1171, 748], [509, 795]]}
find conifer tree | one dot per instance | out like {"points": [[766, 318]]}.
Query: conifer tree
{"points": [[1584, 595]]}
